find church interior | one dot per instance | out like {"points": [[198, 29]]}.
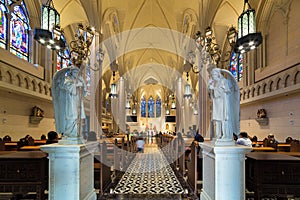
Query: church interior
{"points": [[145, 69]]}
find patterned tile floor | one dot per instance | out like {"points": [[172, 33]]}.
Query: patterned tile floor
{"points": [[149, 173]]}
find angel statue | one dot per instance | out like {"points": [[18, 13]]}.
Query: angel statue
{"points": [[68, 92], [226, 105]]}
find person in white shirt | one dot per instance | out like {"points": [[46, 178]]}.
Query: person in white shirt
{"points": [[244, 140], [140, 145]]}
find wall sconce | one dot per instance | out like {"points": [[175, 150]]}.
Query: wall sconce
{"points": [[248, 39], [37, 114]]}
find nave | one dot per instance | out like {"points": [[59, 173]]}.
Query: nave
{"points": [[150, 176]]}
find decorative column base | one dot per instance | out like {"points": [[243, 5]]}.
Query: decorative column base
{"points": [[223, 171], [71, 171]]}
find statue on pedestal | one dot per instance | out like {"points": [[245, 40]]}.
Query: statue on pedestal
{"points": [[68, 92], [226, 104]]}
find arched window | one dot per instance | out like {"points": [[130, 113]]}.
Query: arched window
{"points": [[143, 107], [3, 24], [63, 57], [19, 31], [158, 107], [236, 65], [151, 107]]}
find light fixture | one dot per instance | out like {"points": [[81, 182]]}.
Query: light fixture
{"points": [[187, 88], [134, 109], [113, 88], [195, 112], [248, 38], [80, 47], [127, 106], [206, 41], [167, 110], [173, 104], [49, 34]]}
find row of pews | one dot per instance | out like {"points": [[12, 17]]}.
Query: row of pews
{"points": [[269, 174], [185, 158], [265, 146], [24, 171]]}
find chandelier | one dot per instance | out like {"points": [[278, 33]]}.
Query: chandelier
{"points": [[248, 39], [113, 88], [49, 34], [80, 47]]}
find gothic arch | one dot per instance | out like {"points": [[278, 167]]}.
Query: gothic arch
{"points": [[278, 83], [297, 77], [294, 76], [264, 88], [27, 83], [40, 88], [19, 80], [34, 85], [270, 86], [252, 92], [257, 89], [287, 80], [9, 77]]}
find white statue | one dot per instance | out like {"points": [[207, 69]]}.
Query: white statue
{"points": [[226, 104], [68, 91]]}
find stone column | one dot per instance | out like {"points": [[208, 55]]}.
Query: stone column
{"points": [[179, 105], [71, 171], [186, 110], [223, 172], [114, 112], [96, 89], [122, 101]]}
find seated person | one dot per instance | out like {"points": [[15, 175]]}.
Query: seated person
{"points": [[92, 136], [52, 137], [244, 140], [198, 137], [7, 138], [43, 137], [140, 145]]}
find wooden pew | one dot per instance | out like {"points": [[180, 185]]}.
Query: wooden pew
{"points": [[24, 172], [272, 175], [191, 164]]}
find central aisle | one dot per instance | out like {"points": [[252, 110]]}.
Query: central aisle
{"points": [[149, 173]]}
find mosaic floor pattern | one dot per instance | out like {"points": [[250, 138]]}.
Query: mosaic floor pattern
{"points": [[149, 173]]}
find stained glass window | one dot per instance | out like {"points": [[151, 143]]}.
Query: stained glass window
{"points": [[63, 57], [151, 107], [158, 107], [3, 25], [143, 107], [19, 28], [236, 65]]}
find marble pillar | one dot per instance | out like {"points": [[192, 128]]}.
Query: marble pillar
{"points": [[179, 95], [223, 171], [121, 105], [186, 119], [71, 171]]}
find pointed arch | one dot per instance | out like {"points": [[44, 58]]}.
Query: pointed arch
{"points": [[143, 106], [3, 25], [19, 31]]}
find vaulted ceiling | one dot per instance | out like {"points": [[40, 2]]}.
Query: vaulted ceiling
{"points": [[150, 38]]}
